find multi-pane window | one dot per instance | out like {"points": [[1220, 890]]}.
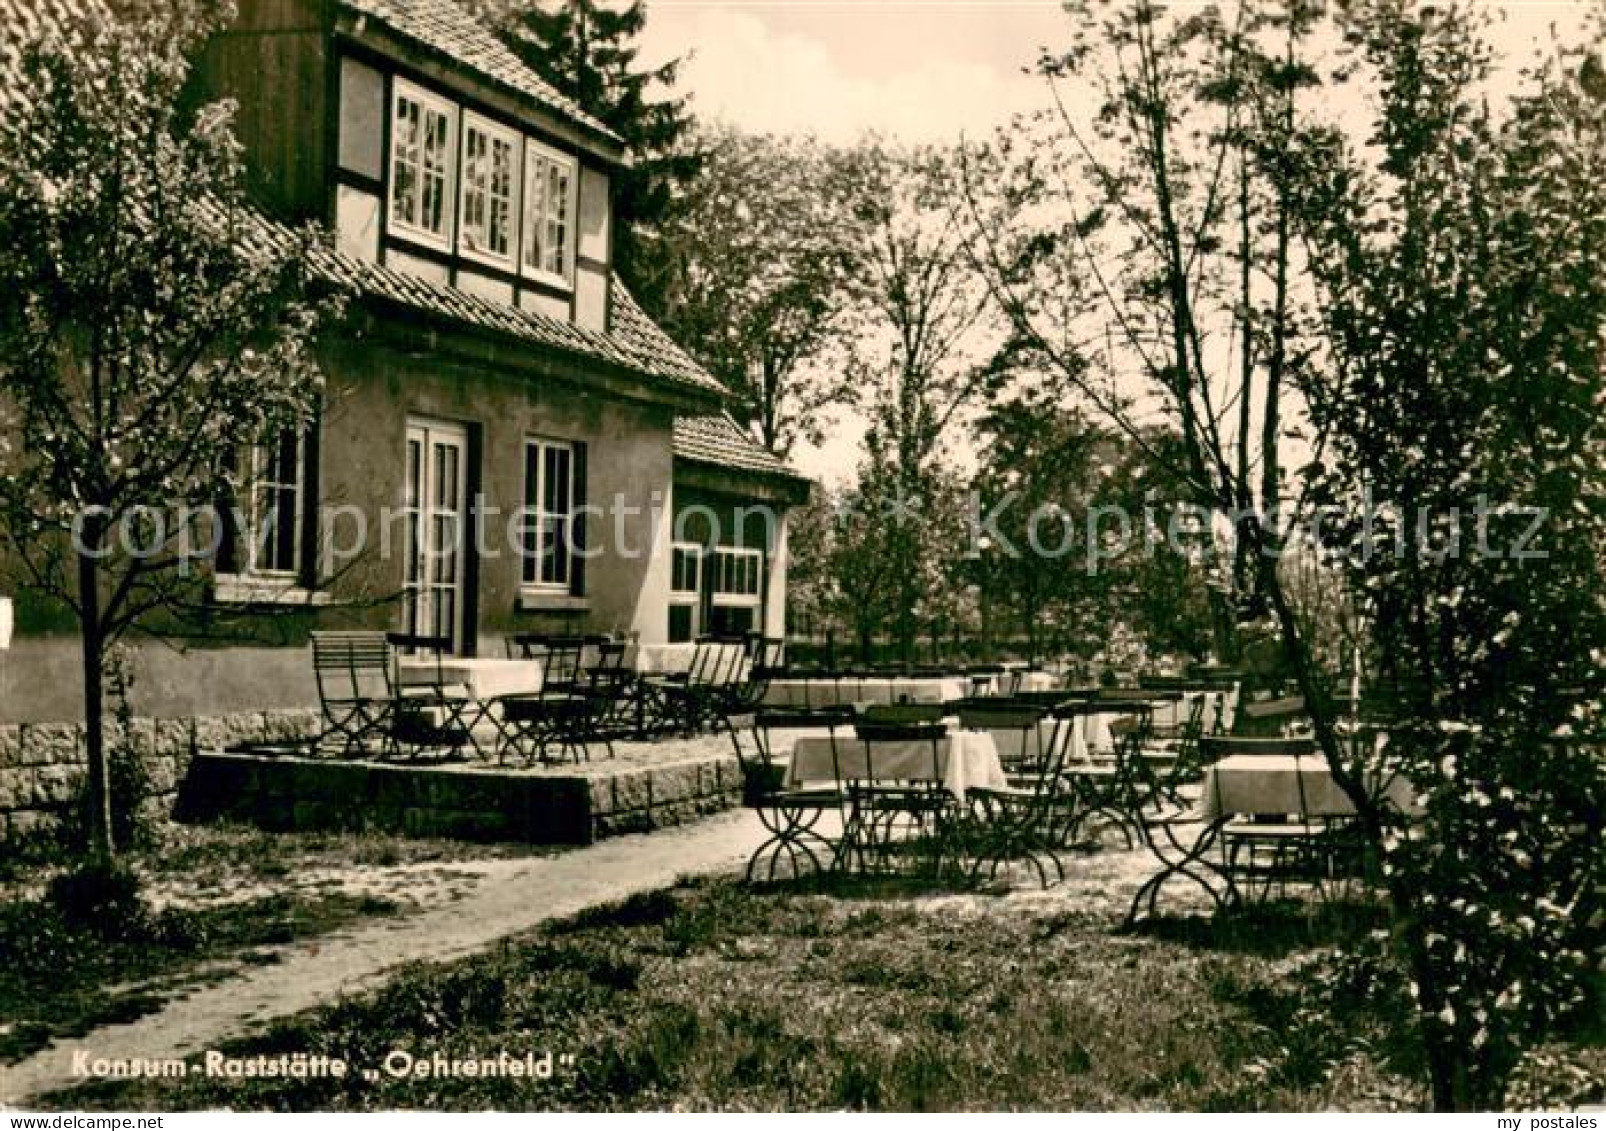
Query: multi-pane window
{"points": [[490, 161], [549, 194], [262, 534], [422, 137], [685, 591], [549, 500], [738, 576]]}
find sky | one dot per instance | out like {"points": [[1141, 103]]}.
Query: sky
{"points": [[916, 70]]}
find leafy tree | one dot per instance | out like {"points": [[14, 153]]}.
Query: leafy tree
{"points": [[587, 49], [920, 348], [1142, 250], [151, 327], [762, 250], [1464, 454]]}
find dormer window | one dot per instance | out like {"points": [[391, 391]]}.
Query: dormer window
{"points": [[423, 142], [549, 199], [490, 185]]}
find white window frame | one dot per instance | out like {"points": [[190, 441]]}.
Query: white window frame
{"points": [[466, 236], [263, 457], [434, 568], [730, 598], [429, 102], [536, 517], [538, 156], [252, 582], [689, 598], [697, 554]]}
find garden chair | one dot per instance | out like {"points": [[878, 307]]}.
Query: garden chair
{"points": [[1272, 717], [1266, 852], [1112, 786], [1017, 820], [364, 705], [985, 679], [791, 814], [355, 691], [560, 716], [903, 713], [898, 821]]}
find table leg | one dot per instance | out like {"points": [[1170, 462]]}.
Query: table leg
{"points": [[1185, 860]]}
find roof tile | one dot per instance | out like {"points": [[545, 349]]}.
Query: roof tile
{"points": [[446, 27], [720, 441]]}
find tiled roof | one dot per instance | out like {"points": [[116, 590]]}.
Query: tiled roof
{"points": [[446, 27], [718, 440], [631, 341]]}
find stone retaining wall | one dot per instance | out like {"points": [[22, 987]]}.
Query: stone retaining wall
{"points": [[42, 765], [467, 802]]}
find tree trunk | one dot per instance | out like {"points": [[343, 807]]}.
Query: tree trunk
{"points": [[1223, 627], [94, 649], [1446, 1060]]}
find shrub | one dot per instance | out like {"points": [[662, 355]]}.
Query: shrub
{"points": [[101, 898]]}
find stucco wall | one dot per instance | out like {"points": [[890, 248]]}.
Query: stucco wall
{"points": [[629, 468], [40, 681], [373, 390]]}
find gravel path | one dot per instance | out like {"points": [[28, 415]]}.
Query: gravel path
{"points": [[506, 898]]}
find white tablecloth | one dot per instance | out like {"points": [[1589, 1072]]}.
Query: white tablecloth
{"points": [[1014, 681], [965, 760], [1090, 734], [851, 689], [484, 678], [663, 659], [1269, 784]]}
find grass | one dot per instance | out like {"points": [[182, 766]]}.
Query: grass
{"points": [[61, 978], [713, 996], [215, 896]]}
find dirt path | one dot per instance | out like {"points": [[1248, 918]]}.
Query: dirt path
{"points": [[510, 896]]}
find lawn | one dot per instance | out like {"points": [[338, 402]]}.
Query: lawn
{"points": [[711, 995], [209, 900]]}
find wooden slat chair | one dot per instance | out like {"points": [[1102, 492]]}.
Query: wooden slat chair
{"points": [[791, 814], [610, 687], [687, 702], [1172, 755], [735, 705], [898, 824], [1269, 851], [1019, 820], [1111, 786], [561, 656], [355, 690], [559, 716]]}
